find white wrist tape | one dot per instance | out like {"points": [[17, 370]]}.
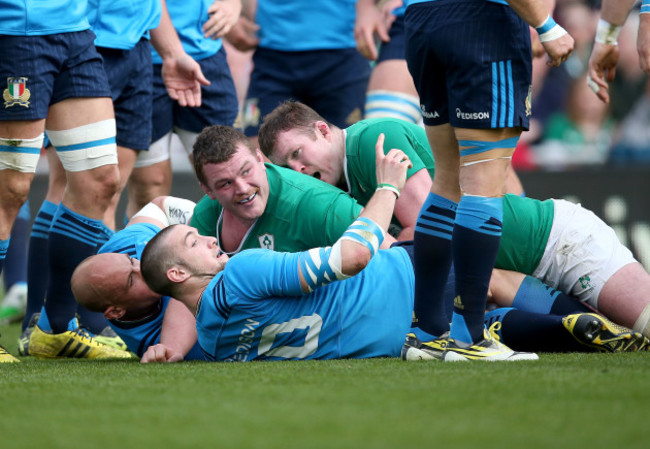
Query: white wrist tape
{"points": [[549, 30], [606, 33], [153, 211], [178, 210]]}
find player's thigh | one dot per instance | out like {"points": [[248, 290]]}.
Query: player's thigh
{"points": [[337, 85], [130, 74], [272, 82]]}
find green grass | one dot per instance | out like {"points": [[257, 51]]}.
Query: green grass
{"points": [[565, 401]]}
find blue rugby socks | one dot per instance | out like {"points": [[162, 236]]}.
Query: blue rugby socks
{"points": [[73, 237], [432, 260], [476, 238], [37, 273]]}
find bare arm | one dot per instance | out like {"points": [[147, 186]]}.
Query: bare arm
{"points": [[354, 256], [182, 74], [604, 55], [410, 202], [177, 337], [558, 47]]}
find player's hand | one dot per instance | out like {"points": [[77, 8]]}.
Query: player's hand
{"points": [[223, 14], [558, 50], [243, 35], [368, 22], [183, 78], [602, 69], [643, 42], [392, 166], [160, 354], [536, 46]]}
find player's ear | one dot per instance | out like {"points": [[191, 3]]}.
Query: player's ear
{"points": [[114, 313], [177, 274], [323, 129]]}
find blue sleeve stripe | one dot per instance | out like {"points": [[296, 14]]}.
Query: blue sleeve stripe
{"points": [[324, 275], [372, 227], [363, 241]]}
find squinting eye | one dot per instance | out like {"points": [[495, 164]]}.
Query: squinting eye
{"points": [[247, 171], [295, 154]]}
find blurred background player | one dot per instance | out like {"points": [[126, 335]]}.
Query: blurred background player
{"points": [[306, 52], [201, 39]]}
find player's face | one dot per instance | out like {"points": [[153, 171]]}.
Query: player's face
{"points": [[199, 252], [240, 184], [312, 155], [127, 281]]}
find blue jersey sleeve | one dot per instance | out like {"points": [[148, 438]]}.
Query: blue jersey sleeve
{"points": [[262, 273]]}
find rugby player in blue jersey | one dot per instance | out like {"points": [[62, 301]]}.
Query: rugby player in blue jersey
{"points": [[110, 283], [471, 64]]}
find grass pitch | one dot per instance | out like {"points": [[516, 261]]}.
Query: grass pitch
{"points": [[563, 401]]}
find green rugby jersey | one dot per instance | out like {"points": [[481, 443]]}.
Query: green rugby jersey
{"points": [[360, 140], [527, 224], [301, 213]]}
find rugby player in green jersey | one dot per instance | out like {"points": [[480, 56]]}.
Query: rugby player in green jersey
{"points": [[250, 204], [558, 242]]}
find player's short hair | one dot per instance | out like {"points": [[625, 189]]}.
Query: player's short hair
{"points": [[158, 257], [289, 115], [217, 144]]}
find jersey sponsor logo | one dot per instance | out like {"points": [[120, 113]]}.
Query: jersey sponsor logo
{"points": [[245, 341], [427, 114], [267, 241], [16, 92], [472, 115]]}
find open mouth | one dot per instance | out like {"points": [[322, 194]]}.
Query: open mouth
{"points": [[248, 199], [316, 175]]}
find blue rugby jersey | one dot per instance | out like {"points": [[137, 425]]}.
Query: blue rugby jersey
{"points": [[298, 25], [140, 334], [255, 309], [121, 24], [37, 18], [188, 19]]}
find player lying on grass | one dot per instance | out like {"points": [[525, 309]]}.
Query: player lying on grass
{"points": [[350, 300], [558, 242], [110, 282]]}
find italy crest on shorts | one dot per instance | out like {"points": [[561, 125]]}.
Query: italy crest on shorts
{"points": [[16, 92], [267, 241]]}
